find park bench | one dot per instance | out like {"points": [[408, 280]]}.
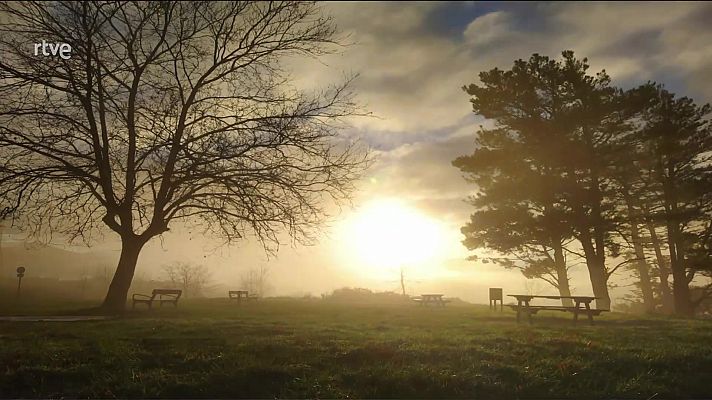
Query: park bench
{"points": [[582, 306], [159, 295], [431, 299], [239, 295]]}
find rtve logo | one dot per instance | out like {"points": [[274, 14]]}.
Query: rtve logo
{"points": [[63, 50]]}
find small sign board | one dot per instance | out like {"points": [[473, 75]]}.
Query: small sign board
{"points": [[496, 294], [20, 272]]}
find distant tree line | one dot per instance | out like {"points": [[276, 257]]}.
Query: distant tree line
{"points": [[576, 170], [357, 294], [256, 281], [192, 279]]}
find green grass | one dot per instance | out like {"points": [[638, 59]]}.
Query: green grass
{"points": [[300, 348]]}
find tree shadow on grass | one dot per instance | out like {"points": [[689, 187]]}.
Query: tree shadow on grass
{"points": [[566, 320]]}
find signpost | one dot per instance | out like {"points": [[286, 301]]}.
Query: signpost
{"points": [[20, 274]]}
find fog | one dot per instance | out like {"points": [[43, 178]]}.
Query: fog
{"points": [[295, 270]]}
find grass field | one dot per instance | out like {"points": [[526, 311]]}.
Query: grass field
{"points": [[321, 349]]}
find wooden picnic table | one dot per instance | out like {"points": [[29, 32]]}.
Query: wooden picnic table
{"points": [[583, 306], [431, 298], [238, 295]]}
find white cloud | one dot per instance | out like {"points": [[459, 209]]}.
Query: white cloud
{"points": [[495, 26]]}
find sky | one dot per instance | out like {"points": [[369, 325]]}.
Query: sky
{"points": [[412, 60]]}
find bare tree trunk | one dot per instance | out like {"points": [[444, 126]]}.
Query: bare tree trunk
{"points": [[562, 277], [663, 269], [2, 255], [115, 300]]}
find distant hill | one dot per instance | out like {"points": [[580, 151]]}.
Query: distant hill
{"points": [[53, 262]]}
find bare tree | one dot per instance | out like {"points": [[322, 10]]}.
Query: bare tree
{"points": [[402, 281], [167, 111], [256, 281], [2, 254], [191, 278], [5, 213]]}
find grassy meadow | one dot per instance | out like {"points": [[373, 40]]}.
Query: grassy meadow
{"points": [[278, 348]]}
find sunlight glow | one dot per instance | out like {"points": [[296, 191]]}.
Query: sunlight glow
{"points": [[386, 234]]}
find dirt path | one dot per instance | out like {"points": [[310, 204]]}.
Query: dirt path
{"points": [[57, 318]]}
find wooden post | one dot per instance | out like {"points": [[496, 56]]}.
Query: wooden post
{"points": [[588, 311], [519, 309], [578, 305], [494, 295], [20, 274]]}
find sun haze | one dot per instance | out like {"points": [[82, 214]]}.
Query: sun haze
{"points": [[387, 234]]}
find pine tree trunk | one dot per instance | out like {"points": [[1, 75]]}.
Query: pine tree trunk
{"points": [[562, 277], [115, 300], [680, 284], [599, 280], [597, 268], [663, 269], [599, 284], [680, 288], [646, 286], [597, 273]]}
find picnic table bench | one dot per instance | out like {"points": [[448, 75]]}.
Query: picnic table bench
{"points": [[428, 299], [239, 295], [159, 295], [583, 306]]}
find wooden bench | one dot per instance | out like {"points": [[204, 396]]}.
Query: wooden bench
{"points": [[583, 306], [159, 295], [239, 295]]}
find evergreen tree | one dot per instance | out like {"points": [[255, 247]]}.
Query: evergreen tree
{"points": [[543, 171], [676, 136]]}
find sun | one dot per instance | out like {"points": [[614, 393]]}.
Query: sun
{"points": [[387, 234]]}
